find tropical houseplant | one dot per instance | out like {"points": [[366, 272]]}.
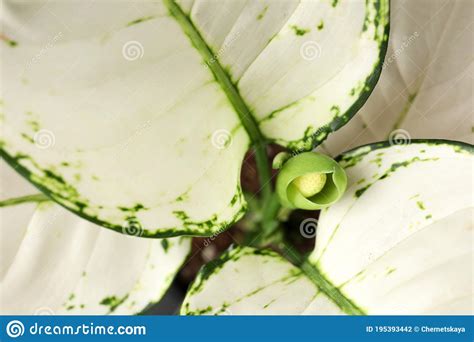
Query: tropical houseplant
{"points": [[132, 123]]}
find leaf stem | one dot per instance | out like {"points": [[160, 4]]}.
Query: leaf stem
{"points": [[271, 207], [24, 199], [269, 222], [264, 172]]}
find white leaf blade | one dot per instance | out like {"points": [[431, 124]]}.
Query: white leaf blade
{"points": [[117, 131], [426, 83], [14, 216], [53, 262], [417, 231], [292, 74], [397, 278], [246, 281], [134, 90], [71, 266]]}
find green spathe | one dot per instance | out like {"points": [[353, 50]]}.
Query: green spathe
{"points": [[310, 181]]}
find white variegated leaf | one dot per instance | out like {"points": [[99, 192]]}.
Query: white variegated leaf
{"points": [[291, 73], [267, 285], [425, 89], [400, 241], [53, 262], [143, 111]]}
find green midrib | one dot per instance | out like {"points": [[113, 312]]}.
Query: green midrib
{"points": [[221, 75], [255, 135], [231, 91], [330, 290], [312, 272]]}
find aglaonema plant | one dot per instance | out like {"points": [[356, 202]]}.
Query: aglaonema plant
{"points": [[139, 125]]}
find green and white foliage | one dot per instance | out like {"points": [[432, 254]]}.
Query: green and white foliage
{"points": [[54, 262], [398, 242], [291, 74], [425, 88], [267, 285], [143, 117]]}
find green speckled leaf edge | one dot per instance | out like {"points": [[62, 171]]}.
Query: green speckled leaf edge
{"points": [[202, 228], [163, 233], [360, 151], [311, 139]]}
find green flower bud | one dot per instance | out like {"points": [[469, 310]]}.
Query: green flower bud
{"points": [[310, 181]]}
